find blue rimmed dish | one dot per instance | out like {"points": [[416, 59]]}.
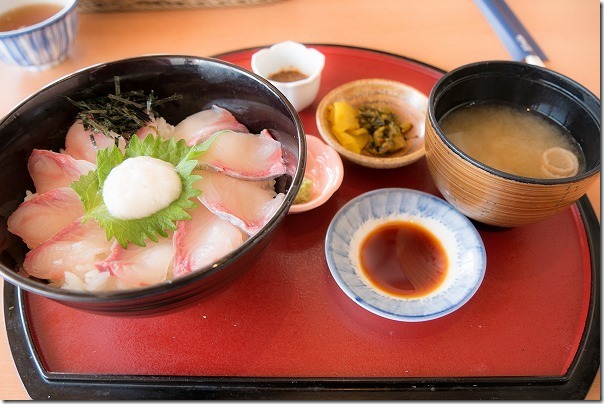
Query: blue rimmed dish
{"points": [[459, 238], [43, 44]]}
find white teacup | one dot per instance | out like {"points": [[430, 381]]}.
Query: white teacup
{"points": [[295, 56]]}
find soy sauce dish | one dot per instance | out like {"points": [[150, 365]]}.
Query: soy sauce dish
{"points": [[404, 254]]}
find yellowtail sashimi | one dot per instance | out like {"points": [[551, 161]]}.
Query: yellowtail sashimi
{"points": [[42, 216]]}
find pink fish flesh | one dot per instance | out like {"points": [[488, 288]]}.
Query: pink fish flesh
{"points": [[244, 155], [78, 244], [78, 143], [249, 205], [203, 240], [238, 200], [39, 218], [157, 126], [139, 266], [50, 170], [200, 126]]}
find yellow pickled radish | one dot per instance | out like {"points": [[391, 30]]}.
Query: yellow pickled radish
{"points": [[344, 116], [346, 128]]}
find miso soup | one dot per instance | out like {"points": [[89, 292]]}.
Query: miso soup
{"points": [[514, 140]]}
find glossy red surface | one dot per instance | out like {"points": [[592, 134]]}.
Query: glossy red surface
{"points": [[287, 317]]}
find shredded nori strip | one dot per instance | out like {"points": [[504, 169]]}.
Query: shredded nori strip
{"points": [[121, 114]]}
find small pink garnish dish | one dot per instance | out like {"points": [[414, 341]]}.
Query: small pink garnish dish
{"points": [[324, 168]]}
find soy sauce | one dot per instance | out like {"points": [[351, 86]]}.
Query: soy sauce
{"points": [[403, 259]]}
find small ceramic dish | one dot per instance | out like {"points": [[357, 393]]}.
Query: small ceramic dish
{"points": [[460, 241], [293, 57], [325, 169], [41, 45], [408, 103]]}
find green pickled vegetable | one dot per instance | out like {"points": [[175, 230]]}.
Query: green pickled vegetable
{"points": [[387, 133]]}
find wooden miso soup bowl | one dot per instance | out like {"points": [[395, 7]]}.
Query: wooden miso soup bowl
{"points": [[491, 196]]}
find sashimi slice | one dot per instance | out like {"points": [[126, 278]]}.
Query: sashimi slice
{"points": [[249, 205], [92, 280], [80, 146], [203, 240], [41, 217], [200, 126], [157, 126], [244, 155], [140, 266], [79, 244], [50, 170]]}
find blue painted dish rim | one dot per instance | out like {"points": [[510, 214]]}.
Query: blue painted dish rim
{"points": [[42, 24], [350, 291]]}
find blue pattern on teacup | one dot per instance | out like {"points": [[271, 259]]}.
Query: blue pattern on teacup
{"points": [[461, 241], [40, 46]]}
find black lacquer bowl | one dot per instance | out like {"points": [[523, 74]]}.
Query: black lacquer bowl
{"points": [[41, 121]]}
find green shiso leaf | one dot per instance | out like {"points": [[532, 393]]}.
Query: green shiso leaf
{"points": [[137, 231]]}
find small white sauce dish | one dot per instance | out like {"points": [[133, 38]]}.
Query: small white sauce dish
{"points": [[325, 169], [292, 55], [459, 238], [42, 45]]}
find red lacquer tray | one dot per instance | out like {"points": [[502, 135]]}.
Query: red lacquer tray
{"points": [[285, 329]]}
